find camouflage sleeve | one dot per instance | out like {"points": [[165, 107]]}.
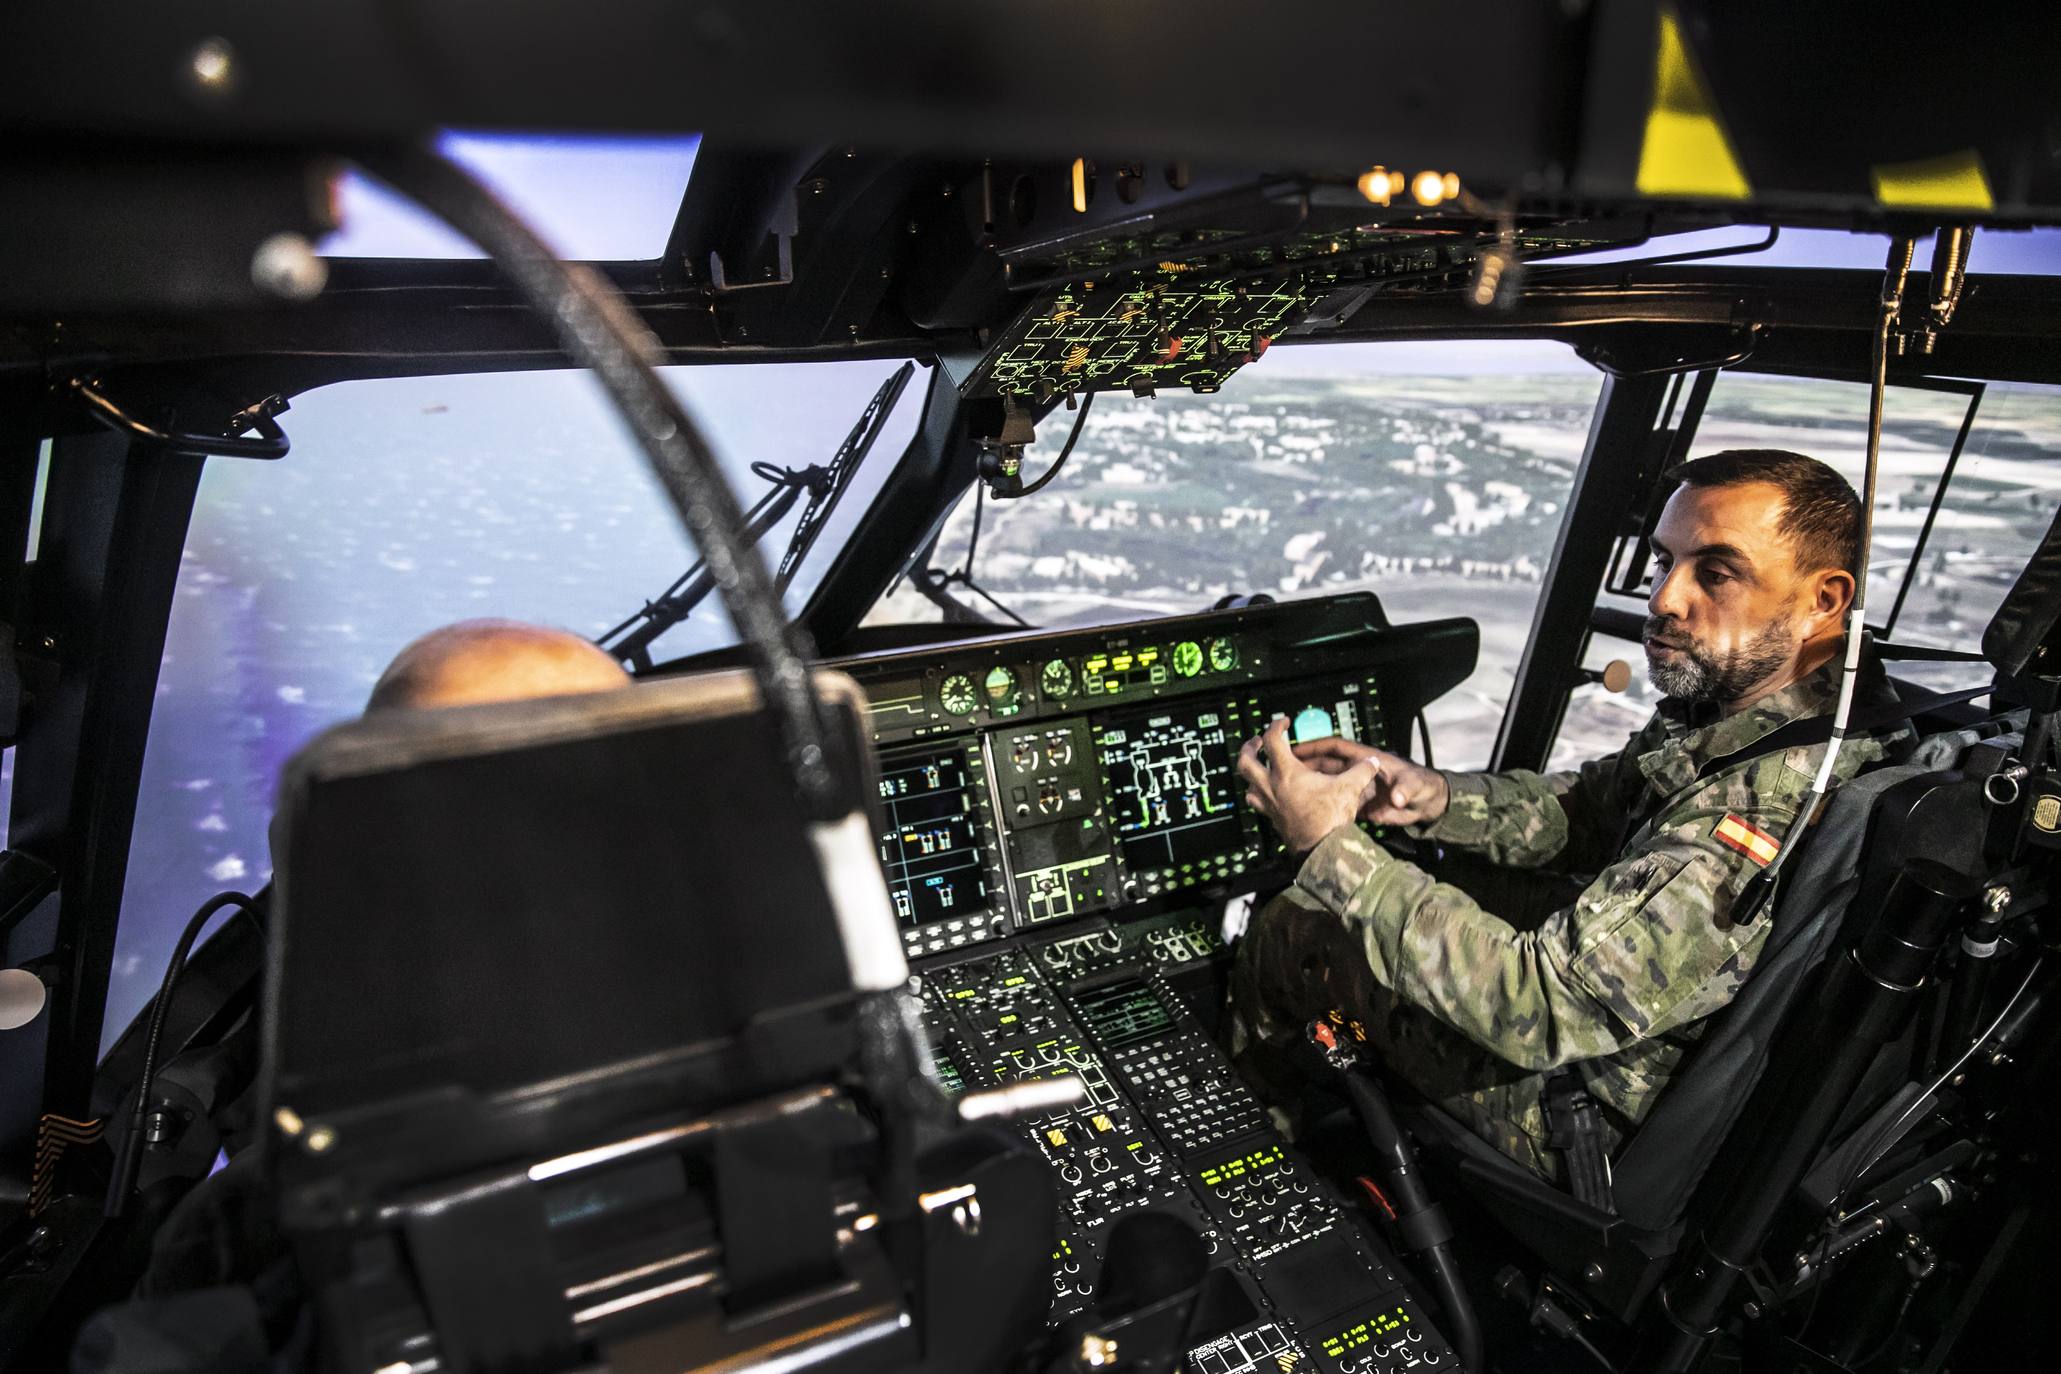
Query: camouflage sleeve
{"points": [[1572, 820], [1647, 947], [1512, 818]]}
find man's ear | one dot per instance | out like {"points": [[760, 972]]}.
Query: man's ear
{"points": [[1830, 596]]}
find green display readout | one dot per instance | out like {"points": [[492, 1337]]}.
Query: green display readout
{"points": [[1232, 1169], [1360, 1333], [1120, 670]]}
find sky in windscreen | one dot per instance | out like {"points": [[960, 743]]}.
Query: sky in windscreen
{"points": [[591, 198]]}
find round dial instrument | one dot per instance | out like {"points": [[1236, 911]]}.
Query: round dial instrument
{"points": [[1223, 654], [1056, 680], [1002, 687], [1187, 658], [958, 695]]}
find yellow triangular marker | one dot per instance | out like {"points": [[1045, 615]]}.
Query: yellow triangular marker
{"points": [[1953, 182], [1686, 152]]}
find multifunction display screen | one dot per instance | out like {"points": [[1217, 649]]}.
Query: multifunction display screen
{"points": [[1170, 780], [931, 843], [1349, 708]]}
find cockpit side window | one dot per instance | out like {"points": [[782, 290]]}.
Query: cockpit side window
{"points": [[406, 504], [1967, 486], [1433, 474], [1997, 505]]}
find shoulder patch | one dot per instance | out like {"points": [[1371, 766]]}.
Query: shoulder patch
{"points": [[1749, 839]]}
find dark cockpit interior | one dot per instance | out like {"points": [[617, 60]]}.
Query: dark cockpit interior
{"points": [[856, 989]]}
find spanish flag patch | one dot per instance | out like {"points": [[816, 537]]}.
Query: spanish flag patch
{"points": [[1750, 840]]}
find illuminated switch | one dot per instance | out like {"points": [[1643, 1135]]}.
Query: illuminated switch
{"points": [[1103, 1123], [1056, 1136]]}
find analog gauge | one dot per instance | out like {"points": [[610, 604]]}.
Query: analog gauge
{"points": [[1223, 654], [1002, 687], [1057, 680], [958, 695], [1187, 658]]}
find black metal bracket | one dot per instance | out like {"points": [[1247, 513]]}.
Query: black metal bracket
{"points": [[786, 223], [270, 443]]}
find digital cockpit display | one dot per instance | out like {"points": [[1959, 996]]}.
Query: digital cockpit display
{"points": [[1170, 781], [930, 843], [1350, 709]]}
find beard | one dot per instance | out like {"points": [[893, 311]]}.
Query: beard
{"points": [[1695, 674]]}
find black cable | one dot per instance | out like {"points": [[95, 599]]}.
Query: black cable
{"points": [[985, 595], [1080, 418], [129, 1155], [1424, 733], [1896, 1327], [932, 583], [597, 327], [601, 332], [973, 539], [1421, 1224]]}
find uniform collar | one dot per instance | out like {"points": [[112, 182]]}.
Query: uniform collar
{"points": [[1693, 734]]}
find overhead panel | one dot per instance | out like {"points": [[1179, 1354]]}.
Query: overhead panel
{"points": [[1161, 285]]}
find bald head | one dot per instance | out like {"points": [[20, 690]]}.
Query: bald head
{"points": [[479, 661]]}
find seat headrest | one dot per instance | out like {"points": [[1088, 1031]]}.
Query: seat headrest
{"points": [[482, 902]]}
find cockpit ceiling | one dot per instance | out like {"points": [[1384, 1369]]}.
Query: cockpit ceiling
{"points": [[1808, 110], [1063, 197]]}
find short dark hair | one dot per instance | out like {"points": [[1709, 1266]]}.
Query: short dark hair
{"points": [[1820, 512]]}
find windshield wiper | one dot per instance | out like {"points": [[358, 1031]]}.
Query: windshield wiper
{"points": [[826, 485]]}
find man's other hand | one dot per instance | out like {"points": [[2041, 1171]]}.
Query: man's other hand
{"points": [[1302, 803], [1406, 794]]}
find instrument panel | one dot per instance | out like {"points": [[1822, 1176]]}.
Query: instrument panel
{"points": [[1059, 813], [1040, 779]]}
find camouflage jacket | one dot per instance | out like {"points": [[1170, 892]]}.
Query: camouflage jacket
{"points": [[1616, 982]]}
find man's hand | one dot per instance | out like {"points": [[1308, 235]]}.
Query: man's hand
{"points": [[1407, 794], [1302, 803]]}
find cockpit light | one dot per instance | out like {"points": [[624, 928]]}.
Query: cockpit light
{"points": [[1380, 185], [1430, 188]]}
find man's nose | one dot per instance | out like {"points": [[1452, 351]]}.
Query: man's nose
{"points": [[1670, 597]]}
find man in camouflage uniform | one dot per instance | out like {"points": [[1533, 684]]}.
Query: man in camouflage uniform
{"points": [[1755, 555]]}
